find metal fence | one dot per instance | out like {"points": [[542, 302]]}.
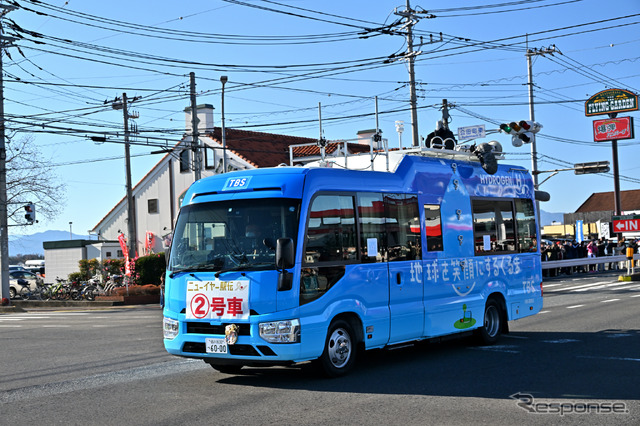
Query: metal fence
{"points": [[583, 261]]}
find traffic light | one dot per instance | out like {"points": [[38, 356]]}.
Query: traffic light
{"points": [[593, 167], [521, 132], [30, 213]]}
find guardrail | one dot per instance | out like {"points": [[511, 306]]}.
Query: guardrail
{"points": [[551, 264]]}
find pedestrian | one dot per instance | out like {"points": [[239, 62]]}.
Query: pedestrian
{"points": [[601, 253], [610, 251], [622, 250], [592, 249]]}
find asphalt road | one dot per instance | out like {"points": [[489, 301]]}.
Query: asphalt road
{"points": [[108, 367]]}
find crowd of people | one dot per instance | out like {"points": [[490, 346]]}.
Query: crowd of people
{"points": [[567, 249]]}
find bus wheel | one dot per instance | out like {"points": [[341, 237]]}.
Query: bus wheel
{"points": [[339, 353], [226, 369], [490, 332]]}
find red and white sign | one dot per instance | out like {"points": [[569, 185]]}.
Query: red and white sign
{"points": [[626, 225], [218, 299], [611, 129]]}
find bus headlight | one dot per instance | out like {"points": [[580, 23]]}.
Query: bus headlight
{"points": [[170, 328], [280, 331]]}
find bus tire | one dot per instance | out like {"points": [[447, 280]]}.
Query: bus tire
{"points": [[339, 354], [226, 369], [490, 331]]}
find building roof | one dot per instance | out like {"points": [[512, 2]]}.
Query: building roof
{"points": [[603, 201], [258, 148]]}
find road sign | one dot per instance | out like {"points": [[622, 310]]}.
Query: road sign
{"points": [[626, 224], [611, 101], [471, 132], [611, 129]]}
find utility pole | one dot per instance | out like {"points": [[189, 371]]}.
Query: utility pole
{"points": [[408, 14], [4, 223], [131, 212], [195, 143], [411, 18], [223, 80], [534, 152], [445, 114]]}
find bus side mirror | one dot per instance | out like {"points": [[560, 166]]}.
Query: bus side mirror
{"points": [[285, 254]]}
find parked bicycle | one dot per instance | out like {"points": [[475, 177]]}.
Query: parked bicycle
{"points": [[25, 292], [96, 288], [60, 290], [45, 291]]}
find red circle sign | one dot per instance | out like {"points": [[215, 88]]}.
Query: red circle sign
{"points": [[200, 306]]}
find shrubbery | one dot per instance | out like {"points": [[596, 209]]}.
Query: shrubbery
{"points": [[144, 270]]}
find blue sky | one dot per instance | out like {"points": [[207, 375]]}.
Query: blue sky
{"points": [[283, 58]]}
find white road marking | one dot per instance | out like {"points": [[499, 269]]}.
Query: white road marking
{"points": [[608, 300], [575, 306]]}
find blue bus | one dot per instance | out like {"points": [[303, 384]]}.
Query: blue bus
{"points": [[285, 265]]}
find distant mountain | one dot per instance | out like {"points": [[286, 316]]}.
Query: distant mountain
{"points": [[547, 218], [32, 244]]}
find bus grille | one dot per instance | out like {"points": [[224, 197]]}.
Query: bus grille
{"points": [[241, 350], [206, 328]]}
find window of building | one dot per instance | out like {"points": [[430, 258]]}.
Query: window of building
{"points": [[493, 226], [152, 205], [433, 225], [120, 253], [107, 254], [185, 165], [209, 158]]}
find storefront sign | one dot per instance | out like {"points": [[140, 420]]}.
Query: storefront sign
{"points": [[613, 129], [611, 101]]}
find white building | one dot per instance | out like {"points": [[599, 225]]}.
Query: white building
{"points": [[158, 195], [62, 257]]}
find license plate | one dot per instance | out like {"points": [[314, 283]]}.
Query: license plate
{"points": [[216, 346]]}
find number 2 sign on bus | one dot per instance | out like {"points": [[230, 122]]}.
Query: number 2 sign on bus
{"points": [[294, 264]]}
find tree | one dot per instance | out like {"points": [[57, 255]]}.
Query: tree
{"points": [[30, 178]]}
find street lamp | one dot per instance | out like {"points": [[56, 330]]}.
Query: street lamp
{"points": [[223, 80], [400, 129]]}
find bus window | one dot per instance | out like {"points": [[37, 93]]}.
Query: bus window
{"points": [[433, 225], [331, 230], [526, 223], [372, 227], [493, 226], [214, 235], [403, 227]]}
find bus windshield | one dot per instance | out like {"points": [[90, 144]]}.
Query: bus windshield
{"points": [[235, 234]]}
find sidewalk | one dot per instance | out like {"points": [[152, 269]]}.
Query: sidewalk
{"points": [[24, 305]]}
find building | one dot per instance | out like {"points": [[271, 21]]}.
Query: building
{"points": [[596, 213], [62, 257], [158, 195]]}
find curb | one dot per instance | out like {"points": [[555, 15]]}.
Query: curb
{"points": [[10, 309]]}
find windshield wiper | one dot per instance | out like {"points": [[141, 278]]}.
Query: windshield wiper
{"points": [[245, 267], [194, 268]]}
